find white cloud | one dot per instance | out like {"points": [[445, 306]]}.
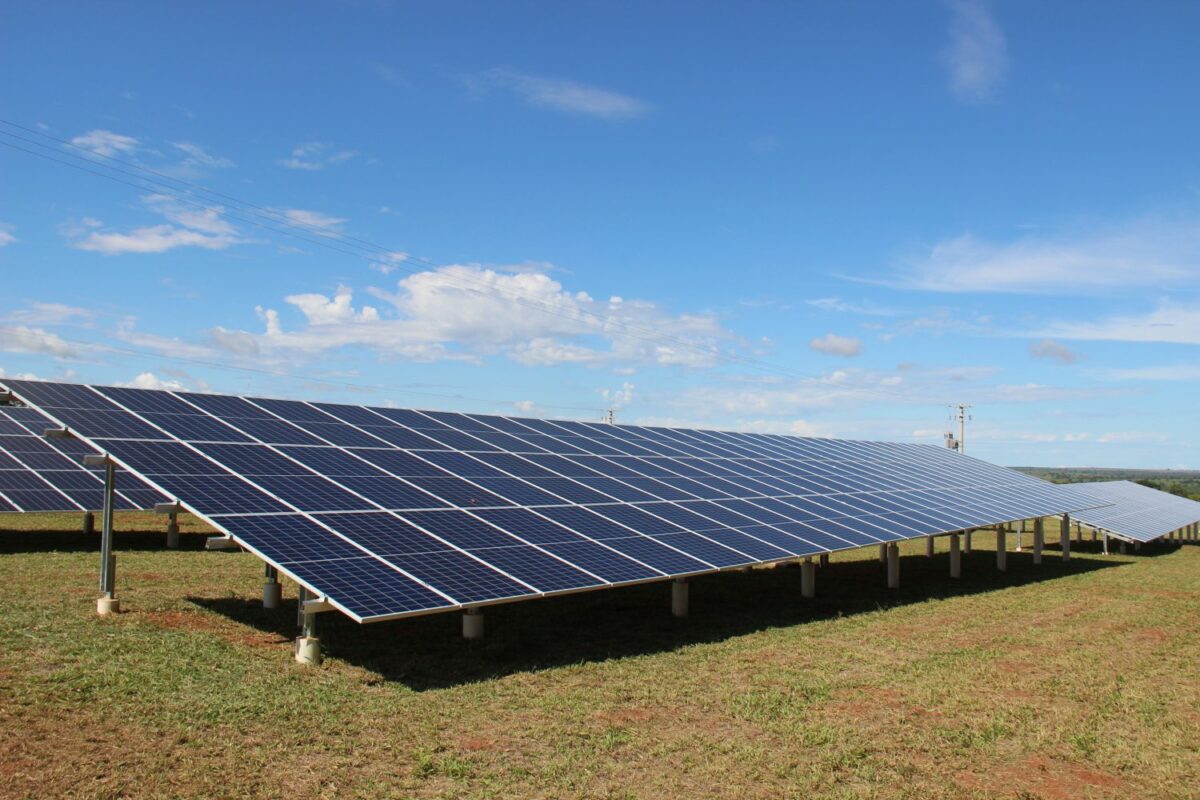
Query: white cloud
{"points": [[1176, 372], [148, 380], [833, 345], [200, 227], [196, 156], [25, 339], [106, 143], [1147, 253], [1132, 437], [313, 156], [387, 263], [976, 56], [1053, 351], [6, 236], [50, 314], [19, 376], [1170, 322], [562, 95], [841, 306], [467, 312], [618, 398], [316, 222]]}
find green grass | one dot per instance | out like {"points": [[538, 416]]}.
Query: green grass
{"points": [[1064, 680]]}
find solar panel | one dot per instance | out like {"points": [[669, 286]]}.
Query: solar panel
{"points": [[40, 474], [1137, 512], [395, 512]]}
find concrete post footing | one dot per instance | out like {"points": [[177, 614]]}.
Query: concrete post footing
{"points": [[308, 650], [808, 578], [1001, 550], [472, 624], [679, 598], [108, 605], [955, 556], [272, 594]]}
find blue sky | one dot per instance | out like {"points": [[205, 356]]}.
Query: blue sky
{"points": [[820, 218]]}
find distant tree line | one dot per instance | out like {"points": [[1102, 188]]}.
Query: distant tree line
{"points": [[1181, 483]]}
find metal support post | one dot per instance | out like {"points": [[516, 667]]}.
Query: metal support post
{"points": [[1001, 549], [893, 566], [301, 597], [808, 578], [883, 553], [823, 560], [272, 589], [107, 603], [89, 522], [1039, 539], [679, 597], [955, 557], [1020, 535], [1065, 537], [967, 541], [1104, 542], [929, 546]]}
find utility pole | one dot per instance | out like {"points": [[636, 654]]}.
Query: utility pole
{"points": [[610, 416], [959, 413]]}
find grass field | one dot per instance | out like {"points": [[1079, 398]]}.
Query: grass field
{"points": [[1059, 681]]}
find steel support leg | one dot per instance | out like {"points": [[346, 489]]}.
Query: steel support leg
{"points": [[1065, 537], [1001, 549], [108, 603], [955, 556], [1039, 539]]}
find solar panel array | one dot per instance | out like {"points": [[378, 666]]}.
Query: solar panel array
{"points": [[40, 474], [394, 512], [1137, 512]]}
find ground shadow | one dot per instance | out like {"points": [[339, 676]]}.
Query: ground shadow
{"points": [[429, 653], [60, 541]]}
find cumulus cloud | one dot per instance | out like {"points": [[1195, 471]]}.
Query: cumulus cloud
{"points": [[187, 226], [833, 345], [313, 156], [1053, 351], [26, 339], [148, 380], [561, 95], [976, 56], [106, 143], [467, 312]]}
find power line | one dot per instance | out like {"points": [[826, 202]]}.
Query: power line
{"points": [[273, 220]]}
